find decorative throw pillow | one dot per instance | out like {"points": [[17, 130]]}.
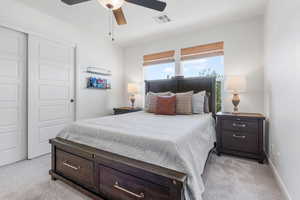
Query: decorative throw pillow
{"points": [[198, 102], [184, 103], [166, 105], [151, 100], [206, 104]]}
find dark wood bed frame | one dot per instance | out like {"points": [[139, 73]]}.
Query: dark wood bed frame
{"points": [[106, 176]]}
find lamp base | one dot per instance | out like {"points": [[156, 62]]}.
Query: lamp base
{"points": [[236, 101], [132, 100]]}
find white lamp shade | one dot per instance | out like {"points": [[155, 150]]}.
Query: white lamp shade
{"points": [[116, 4], [133, 88], [235, 84]]}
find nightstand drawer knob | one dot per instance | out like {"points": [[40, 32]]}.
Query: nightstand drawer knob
{"points": [[239, 136], [239, 125]]}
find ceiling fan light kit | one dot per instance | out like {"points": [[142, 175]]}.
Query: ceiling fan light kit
{"points": [[112, 4]]}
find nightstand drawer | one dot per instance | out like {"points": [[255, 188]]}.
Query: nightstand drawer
{"points": [[237, 125], [240, 141]]}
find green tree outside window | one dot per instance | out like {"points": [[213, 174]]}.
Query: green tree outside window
{"points": [[212, 73]]}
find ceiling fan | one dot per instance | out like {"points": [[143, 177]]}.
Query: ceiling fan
{"points": [[116, 6]]}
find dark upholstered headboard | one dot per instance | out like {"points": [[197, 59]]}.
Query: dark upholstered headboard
{"points": [[178, 85]]}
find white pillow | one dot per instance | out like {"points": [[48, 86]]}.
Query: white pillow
{"points": [[198, 102]]}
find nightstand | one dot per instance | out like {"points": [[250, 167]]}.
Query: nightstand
{"points": [[241, 134], [124, 110]]}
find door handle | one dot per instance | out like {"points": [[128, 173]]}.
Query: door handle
{"points": [[72, 100]]}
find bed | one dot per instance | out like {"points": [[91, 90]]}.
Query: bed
{"points": [[139, 155]]}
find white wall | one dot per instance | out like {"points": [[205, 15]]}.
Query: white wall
{"points": [[92, 50], [243, 56], [282, 72]]}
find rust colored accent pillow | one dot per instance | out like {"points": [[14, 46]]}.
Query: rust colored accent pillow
{"points": [[166, 105]]}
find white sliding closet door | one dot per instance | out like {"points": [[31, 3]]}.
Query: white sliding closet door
{"points": [[13, 129], [51, 67]]}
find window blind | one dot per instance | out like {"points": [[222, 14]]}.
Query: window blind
{"points": [[202, 51], [159, 58]]}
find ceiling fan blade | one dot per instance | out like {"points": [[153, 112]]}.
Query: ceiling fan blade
{"points": [[153, 4], [119, 16], [73, 2]]}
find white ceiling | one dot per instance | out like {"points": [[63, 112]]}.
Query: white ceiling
{"points": [[185, 14]]}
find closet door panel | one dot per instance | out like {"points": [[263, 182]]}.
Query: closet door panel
{"points": [[13, 129], [51, 88]]}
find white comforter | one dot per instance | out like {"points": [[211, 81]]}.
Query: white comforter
{"points": [[180, 142]]}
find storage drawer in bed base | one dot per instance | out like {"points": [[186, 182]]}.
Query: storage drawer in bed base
{"points": [[103, 175]]}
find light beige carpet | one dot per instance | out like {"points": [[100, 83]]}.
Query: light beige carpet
{"points": [[229, 178], [226, 178]]}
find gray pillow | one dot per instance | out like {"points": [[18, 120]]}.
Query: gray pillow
{"points": [[206, 104], [198, 102]]}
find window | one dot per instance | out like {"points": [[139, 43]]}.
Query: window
{"points": [[205, 60], [202, 60], [211, 66], [159, 71], [159, 65]]}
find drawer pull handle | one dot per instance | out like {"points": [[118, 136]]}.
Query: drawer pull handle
{"points": [[118, 187], [239, 136], [239, 125], [71, 166]]}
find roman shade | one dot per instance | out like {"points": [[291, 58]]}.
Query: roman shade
{"points": [[202, 51], [159, 58]]}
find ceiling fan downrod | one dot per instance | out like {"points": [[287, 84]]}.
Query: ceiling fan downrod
{"points": [[111, 25]]}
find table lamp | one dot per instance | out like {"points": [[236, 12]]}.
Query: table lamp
{"points": [[235, 85], [133, 89]]}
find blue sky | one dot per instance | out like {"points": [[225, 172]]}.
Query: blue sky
{"points": [[190, 68]]}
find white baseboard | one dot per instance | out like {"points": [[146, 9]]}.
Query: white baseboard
{"points": [[279, 180]]}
